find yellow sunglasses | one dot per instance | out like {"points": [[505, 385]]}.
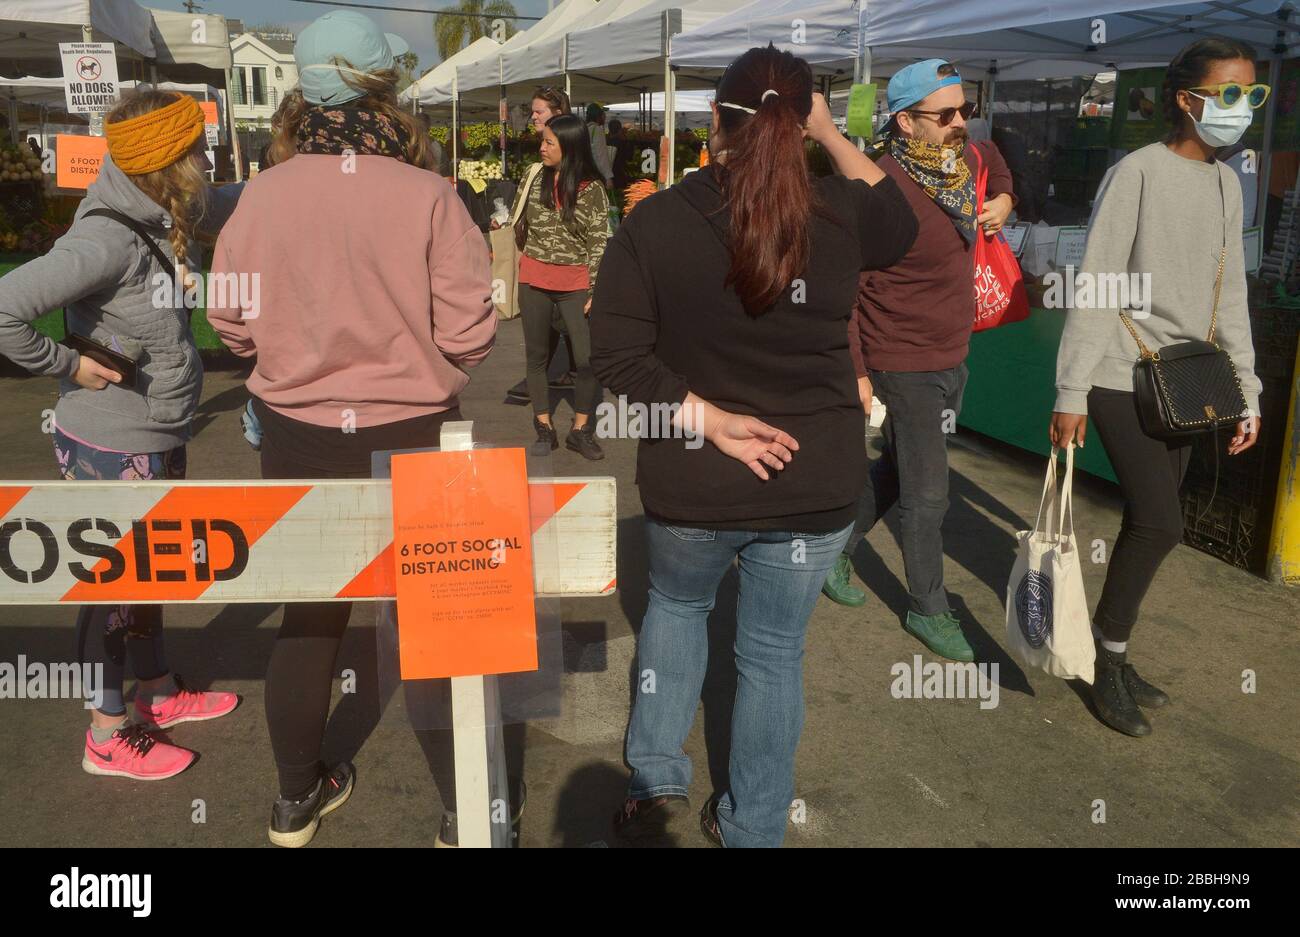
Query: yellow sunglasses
{"points": [[1230, 92]]}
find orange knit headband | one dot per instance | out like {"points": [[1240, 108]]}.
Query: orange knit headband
{"points": [[157, 139]]}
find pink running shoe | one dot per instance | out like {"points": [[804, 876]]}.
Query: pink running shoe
{"points": [[185, 705], [132, 752]]}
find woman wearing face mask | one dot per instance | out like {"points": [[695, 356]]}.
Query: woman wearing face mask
{"points": [[1173, 211]]}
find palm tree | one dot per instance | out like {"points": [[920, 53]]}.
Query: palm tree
{"points": [[453, 32]]}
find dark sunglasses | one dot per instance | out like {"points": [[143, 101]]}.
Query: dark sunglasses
{"points": [[946, 116]]}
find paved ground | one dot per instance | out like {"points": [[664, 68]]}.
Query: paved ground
{"points": [[1220, 769]]}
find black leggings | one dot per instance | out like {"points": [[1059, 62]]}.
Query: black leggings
{"points": [[537, 307], [300, 675], [1150, 472]]}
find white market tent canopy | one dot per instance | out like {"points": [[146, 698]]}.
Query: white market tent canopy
{"points": [[1025, 38], [479, 81], [175, 43], [434, 86], [32, 29]]}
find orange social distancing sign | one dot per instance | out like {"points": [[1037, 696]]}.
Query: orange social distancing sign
{"points": [[77, 160], [462, 553]]}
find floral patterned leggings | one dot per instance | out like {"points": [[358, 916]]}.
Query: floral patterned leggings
{"points": [[103, 630]]}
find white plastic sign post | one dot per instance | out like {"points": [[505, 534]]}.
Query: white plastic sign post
{"points": [[481, 788]]}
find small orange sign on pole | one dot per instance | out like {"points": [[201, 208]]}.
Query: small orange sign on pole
{"points": [[462, 543], [77, 160], [209, 109]]}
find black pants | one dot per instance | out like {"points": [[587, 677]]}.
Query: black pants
{"points": [[537, 307], [1150, 472], [921, 409], [300, 674]]}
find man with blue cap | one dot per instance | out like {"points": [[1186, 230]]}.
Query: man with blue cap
{"points": [[911, 333]]}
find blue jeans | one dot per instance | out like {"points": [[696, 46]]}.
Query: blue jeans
{"points": [[781, 574]]}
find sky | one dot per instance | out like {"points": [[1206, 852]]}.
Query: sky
{"points": [[415, 28]]}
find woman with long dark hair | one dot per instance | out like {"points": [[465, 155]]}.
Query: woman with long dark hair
{"points": [[376, 301], [726, 299], [561, 235], [1171, 211]]}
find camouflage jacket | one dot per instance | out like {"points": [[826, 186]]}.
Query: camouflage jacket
{"points": [[551, 241]]}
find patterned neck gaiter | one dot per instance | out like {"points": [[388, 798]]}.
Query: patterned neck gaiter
{"points": [[364, 132], [940, 169]]}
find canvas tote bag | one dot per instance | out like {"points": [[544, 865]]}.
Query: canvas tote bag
{"points": [[1048, 626], [505, 256]]}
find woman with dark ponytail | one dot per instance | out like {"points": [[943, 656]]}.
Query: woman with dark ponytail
{"points": [[725, 301], [1170, 212]]}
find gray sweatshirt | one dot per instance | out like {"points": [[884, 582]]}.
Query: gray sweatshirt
{"points": [[1161, 214], [107, 278]]}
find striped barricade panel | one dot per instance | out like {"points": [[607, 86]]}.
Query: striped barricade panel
{"points": [[194, 541]]}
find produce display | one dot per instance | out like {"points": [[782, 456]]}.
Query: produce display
{"points": [[471, 169], [636, 191], [19, 164]]}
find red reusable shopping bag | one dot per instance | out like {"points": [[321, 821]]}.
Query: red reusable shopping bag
{"points": [[1000, 296]]}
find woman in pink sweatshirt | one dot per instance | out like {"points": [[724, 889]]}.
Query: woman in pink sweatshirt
{"points": [[363, 288]]}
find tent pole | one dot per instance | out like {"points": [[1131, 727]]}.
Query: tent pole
{"points": [[235, 153], [861, 76], [1270, 115], [993, 81], [669, 122], [455, 130]]}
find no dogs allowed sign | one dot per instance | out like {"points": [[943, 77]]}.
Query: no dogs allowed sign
{"points": [[89, 76]]}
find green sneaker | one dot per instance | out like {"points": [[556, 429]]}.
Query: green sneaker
{"points": [[837, 587], [941, 634]]}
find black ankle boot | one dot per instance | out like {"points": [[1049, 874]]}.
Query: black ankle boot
{"points": [[583, 442], [1111, 696], [1143, 693], [547, 440]]}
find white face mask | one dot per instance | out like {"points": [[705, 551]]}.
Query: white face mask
{"points": [[1222, 126]]}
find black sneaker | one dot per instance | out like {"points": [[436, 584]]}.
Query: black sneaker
{"points": [[519, 393], [448, 832], [547, 440], [583, 442], [648, 819], [294, 822], [709, 822]]}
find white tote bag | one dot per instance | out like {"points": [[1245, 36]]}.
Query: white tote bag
{"points": [[1048, 626]]}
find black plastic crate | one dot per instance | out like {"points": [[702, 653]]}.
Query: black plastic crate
{"points": [[1234, 522]]}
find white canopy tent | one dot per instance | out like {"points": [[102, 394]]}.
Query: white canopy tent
{"points": [[32, 29], [434, 86], [175, 42], [479, 82]]}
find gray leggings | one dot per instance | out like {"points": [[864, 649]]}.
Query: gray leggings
{"points": [[537, 307]]}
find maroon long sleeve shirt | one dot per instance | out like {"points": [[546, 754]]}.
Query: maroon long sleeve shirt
{"points": [[917, 314]]}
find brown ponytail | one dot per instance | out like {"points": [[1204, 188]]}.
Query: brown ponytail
{"points": [[765, 176]]}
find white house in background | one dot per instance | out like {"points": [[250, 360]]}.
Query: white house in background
{"points": [[264, 72]]}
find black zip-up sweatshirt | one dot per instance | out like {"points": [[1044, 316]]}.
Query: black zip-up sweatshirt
{"points": [[663, 324]]}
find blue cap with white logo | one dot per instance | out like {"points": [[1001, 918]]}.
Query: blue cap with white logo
{"points": [[917, 82], [339, 41]]}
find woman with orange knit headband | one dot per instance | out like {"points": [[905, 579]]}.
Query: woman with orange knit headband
{"points": [[130, 382]]}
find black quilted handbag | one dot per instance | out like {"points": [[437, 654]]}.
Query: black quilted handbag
{"points": [[1189, 388]]}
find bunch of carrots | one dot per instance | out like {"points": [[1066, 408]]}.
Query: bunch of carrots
{"points": [[637, 191]]}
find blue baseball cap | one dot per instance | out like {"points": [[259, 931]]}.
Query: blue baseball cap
{"points": [[335, 42], [916, 82]]}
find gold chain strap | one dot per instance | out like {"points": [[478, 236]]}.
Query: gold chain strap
{"points": [[1146, 352]]}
